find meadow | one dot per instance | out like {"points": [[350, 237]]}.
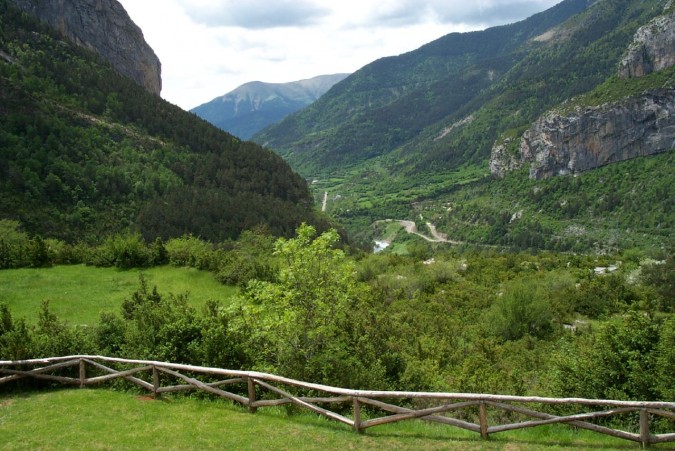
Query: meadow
{"points": [[79, 293]]}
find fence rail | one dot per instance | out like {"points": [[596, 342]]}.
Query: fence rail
{"points": [[280, 389]]}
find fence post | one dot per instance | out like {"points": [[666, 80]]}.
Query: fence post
{"points": [[155, 382], [357, 415], [482, 415], [251, 395], [644, 428], [83, 373]]}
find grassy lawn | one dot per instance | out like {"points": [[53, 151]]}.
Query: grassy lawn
{"points": [[79, 293], [105, 419]]}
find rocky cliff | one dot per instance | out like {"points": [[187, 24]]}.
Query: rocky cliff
{"points": [[105, 27], [594, 136], [653, 47]]}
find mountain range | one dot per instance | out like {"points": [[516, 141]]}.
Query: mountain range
{"points": [[256, 105]]}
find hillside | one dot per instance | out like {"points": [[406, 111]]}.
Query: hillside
{"points": [[255, 105], [369, 114], [86, 152], [426, 147]]}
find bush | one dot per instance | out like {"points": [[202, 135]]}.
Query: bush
{"points": [[626, 358], [53, 337], [122, 251], [191, 251], [532, 306], [14, 245], [15, 338], [604, 295]]}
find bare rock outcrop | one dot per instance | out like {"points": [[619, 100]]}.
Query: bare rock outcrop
{"points": [[105, 27], [594, 137], [653, 47]]}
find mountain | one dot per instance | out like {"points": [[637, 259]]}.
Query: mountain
{"points": [[596, 129], [411, 137], [255, 105], [86, 153], [389, 102], [104, 27]]}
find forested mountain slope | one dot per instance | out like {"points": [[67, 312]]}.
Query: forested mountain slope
{"points": [[444, 105], [389, 101], [85, 152]]}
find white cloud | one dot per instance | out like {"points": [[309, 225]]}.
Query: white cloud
{"points": [[255, 14], [209, 47]]}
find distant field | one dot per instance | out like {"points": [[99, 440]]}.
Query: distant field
{"points": [[106, 419], [79, 293]]}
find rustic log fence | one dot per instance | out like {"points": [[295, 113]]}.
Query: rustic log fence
{"points": [[250, 382]]}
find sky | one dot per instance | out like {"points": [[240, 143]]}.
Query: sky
{"points": [[210, 47]]}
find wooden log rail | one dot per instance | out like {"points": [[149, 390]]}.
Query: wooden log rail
{"points": [[281, 388]]}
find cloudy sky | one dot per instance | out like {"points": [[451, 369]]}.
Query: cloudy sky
{"points": [[210, 47]]}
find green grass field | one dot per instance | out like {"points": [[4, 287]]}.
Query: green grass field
{"points": [[104, 419], [79, 293]]}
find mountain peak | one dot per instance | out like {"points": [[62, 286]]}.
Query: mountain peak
{"points": [[256, 104]]}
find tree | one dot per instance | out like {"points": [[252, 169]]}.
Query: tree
{"points": [[310, 324], [624, 359]]}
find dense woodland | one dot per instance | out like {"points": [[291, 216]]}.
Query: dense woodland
{"points": [[85, 153]]}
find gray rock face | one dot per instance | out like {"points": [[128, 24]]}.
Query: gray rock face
{"points": [[105, 27], [587, 139], [653, 48]]}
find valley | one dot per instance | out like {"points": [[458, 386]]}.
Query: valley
{"points": [[392, 159], [518, 183]]}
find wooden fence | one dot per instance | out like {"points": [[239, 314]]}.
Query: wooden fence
{"points": [[85, 370]]}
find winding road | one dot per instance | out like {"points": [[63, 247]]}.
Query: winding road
{"points": [[436, 236]]}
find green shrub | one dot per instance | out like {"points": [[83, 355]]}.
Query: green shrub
{"points": [[54, 337], [191, 251], [14, 245], [122, 251], [15, 337], [603, 295]]}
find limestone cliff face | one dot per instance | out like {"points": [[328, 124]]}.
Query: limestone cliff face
{"points": [[594, 137], [653, 48], [105, 27], [590, 137]]}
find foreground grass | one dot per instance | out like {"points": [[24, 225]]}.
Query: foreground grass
{"points": [[106, 419], [80, 293]]}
